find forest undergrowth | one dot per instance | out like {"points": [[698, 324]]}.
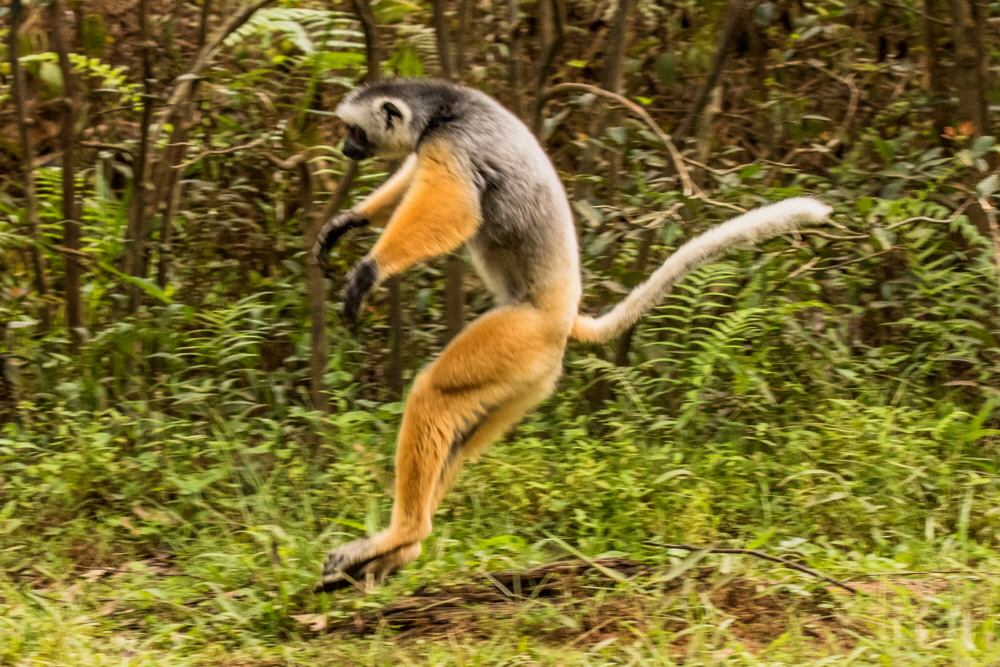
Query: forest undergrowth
{"points": [[171, 475]]}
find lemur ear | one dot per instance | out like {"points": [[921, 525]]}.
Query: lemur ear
{"points": [[391, 111]]}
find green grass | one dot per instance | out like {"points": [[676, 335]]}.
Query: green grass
{"points": [[214, 533]]}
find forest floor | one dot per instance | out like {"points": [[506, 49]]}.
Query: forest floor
{"points": [[79, 608]]}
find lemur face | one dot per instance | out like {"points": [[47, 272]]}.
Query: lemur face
{"points": [[377, 126]]}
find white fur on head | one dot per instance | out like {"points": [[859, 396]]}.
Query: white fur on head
{"points": [[387, 121]]}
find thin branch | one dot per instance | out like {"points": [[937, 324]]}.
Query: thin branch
{"points": [[835, 237], [759, 554], [222, 151], [291, 164], [118, 148], [852, 105], [924, 218], [185, 81], [688, 185], [910, 573]]}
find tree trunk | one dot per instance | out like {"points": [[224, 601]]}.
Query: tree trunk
{"points": [[135, 261], [71, 224], [514, 57], [553, 39], [934, 79], [970, 65], [315, 284], [373, 54], [466, 37], [443, 40], [611, 79], [28, 166], [731, 26], [454, 296]]}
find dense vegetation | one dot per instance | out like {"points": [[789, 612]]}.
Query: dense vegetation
{"points": [[187, 427]]}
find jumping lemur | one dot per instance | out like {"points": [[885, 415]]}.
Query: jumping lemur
{"points": [[474, 174]]}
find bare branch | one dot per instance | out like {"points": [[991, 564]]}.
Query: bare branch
{"points": [[759, 554], [688, 185]]}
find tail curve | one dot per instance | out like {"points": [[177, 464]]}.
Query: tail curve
{"points": [[751, 227]]}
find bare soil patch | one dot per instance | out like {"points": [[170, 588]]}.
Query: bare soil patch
{"points": [[603, 610]]}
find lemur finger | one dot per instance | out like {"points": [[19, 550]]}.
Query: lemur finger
{"points": [[331, 232], [359, 281]]}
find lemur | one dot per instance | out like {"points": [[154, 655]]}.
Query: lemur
{"points": [[474, 174]]}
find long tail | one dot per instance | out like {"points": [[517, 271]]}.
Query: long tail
{"points": [[751, 227]]}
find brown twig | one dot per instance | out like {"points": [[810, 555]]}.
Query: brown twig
{"points": [[222, 151], [911, 573], [759, 554], [923, 218], [186, 81], [688, 185], [118, 148], [852, 105], [835, 237]]}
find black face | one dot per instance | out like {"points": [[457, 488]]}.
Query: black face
{"points": [[356, 145]]}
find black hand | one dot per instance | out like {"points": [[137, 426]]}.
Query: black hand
{"points": [[361, 279], [331, 232]]}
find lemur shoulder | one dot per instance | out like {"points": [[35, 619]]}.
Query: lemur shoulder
{"points": [[474, 174]]}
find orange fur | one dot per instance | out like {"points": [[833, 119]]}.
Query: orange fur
{"points": [[439, 212], [484, 381]]}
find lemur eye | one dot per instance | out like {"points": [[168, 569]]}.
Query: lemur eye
{"points": [[391, 111]]}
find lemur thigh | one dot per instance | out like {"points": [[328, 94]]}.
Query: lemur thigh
{"points": [[439, 212], [493, 427], [380, 204], [484, 380]]}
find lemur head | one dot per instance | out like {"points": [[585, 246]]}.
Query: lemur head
{"points": [[387, 119]]}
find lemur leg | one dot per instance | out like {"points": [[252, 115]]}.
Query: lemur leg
{"points": [[493, 427], [484, 381]]}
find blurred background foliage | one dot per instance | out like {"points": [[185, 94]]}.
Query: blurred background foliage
{"points": [[172, 384]]}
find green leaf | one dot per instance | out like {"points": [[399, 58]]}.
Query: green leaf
{"points": [[406, 61], [143, 284], [94, 35], [988, 185], [981, 145]]}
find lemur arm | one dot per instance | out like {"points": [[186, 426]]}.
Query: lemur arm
{"points": [[376, 208], [380, 204], [439, 212]]}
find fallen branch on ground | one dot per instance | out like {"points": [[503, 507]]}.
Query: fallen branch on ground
{"points": [[758, 554]]}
